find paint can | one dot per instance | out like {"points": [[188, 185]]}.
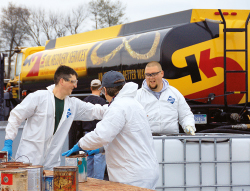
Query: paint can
{"points": [[3, 156], [80, 161], [14, 180], [11, 163], [35, 177], [48, 183], [66, 178], [15, 164], [1, 170]]}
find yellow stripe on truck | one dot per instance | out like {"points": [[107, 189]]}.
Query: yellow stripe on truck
{"points": [[88, 37]]}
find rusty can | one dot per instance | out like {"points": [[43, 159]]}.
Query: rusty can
{"points": [[14, 180], [48, 183], [15, 164], [11, 163], [81, 162], [3, 156], [35, 177], [1, 170], [66, 178]]}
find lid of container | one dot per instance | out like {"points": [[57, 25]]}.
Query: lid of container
{"points": [[78, 156]]}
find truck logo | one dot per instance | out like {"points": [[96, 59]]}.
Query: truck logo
{"points": [[35, 69], [125, 43], [207, 66]]}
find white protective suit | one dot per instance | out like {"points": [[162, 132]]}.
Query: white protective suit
{"points": [[125, 133], [38, 142], [165, 113]]}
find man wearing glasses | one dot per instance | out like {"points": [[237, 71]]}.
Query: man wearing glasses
{"points": [[49, 115], [165, 105]]}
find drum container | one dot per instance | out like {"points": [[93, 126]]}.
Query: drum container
{"points": [[48, 183], [81, 162], [66, 178], [35, 177], [3, 156], [14, 180]]}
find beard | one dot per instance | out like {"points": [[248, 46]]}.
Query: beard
{"points": [[153, 88]]}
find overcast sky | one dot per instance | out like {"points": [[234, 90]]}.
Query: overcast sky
{"points": [[138, 9]]}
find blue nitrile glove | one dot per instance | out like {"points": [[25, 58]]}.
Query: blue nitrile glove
{"points": [[8, 147], [93, 152], [74, 149]]}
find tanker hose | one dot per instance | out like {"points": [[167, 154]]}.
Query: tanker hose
{"points": [[238, 126], [232, 131]]}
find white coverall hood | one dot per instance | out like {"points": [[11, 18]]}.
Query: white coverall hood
{"points": [[128, 90], [51, 88], [125, 134]]}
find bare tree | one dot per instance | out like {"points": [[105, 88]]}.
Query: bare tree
{"points": [[47, 25], [107, 13], [13, 29], [57, 24], [76, 18], [34, 25]]}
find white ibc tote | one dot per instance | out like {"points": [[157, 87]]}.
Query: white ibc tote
{"points": [[206, 162]]}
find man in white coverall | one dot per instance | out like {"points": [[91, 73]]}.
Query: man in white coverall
{"points": [[49, 115], [165, 105], [125, 134]]}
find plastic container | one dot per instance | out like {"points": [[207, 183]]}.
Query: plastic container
{"points": [[206, 162]]}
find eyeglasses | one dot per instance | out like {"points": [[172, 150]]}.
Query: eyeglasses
{"points": [[71, 81], [103, 91], [148, 75]]}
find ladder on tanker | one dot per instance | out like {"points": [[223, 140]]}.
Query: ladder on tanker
{"points": [[245, 50]]}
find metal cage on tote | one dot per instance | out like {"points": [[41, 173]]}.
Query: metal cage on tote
{"points": [[206, 162]]}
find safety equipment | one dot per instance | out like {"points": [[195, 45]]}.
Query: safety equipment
{"points": [[93, 152], [189, 130], [8, 147], [125, 134], [75, 148], [38, 142], [165, 114]]}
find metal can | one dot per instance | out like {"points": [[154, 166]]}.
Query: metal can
{"points": [[35, 177], [14, 180], [48, 183], [81, 162], [1, 170], [66, 178], [15, 164], [3, 156], [11, 163]]}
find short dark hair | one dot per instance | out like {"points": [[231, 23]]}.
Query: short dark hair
{"points": [[63, 72], [95, 87], [113, 91]]}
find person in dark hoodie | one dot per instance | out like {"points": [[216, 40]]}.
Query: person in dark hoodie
{"points": [[95, 163]]}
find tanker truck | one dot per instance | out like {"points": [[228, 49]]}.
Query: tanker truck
{"points": [[203, 53]]}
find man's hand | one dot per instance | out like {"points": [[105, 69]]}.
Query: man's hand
{"points": [[93, 152], [189, 130], [8, 147], [74, 149]]}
